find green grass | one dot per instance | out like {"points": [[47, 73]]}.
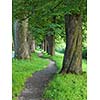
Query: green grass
{"points": [[69, 86], [58, 58], [62, 87], [22, 69], [84, 65]]}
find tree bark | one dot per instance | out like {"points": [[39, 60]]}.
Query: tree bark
{"points": [[45, 44], [32, 47], [31, 43], [20, 38], [72, 62], [51, 44]]}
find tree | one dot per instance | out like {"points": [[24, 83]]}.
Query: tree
{"points": [[72, 61], [21, 12], [51, 44], [31, 42], [20, 39], [73, 53], [41, 19]]}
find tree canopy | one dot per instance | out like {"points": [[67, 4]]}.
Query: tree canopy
{"points": [[41, 14]]}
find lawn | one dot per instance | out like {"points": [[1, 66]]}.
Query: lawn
{"points": [[69, 86], [22, 69]]}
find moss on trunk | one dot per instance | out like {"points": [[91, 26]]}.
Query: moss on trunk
{"points": [[73, 53]]}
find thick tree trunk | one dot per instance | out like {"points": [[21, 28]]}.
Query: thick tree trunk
{"points": [[51, 44], [73, 53], [20, 39]]}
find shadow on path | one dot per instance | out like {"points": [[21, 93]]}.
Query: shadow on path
{"points": [[35, 85]]}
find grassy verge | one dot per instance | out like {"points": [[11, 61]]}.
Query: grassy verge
{"points": [[69, 86], [22, 69]]}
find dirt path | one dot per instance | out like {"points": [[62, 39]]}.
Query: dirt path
{"points": [[36, 84]]}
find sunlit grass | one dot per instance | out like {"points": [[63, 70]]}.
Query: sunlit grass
{"points": [[68, 86]]}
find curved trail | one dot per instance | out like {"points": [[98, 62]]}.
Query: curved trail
{"points": [[35, 85]]}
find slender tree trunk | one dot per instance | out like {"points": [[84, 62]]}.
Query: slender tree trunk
{"points": [[45, 44], [31, 43], [20, 38], [12, 43], [51, 44], [16, 38], [72, 61], [29, 39]]}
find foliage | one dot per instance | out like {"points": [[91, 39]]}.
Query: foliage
{"points": [[22, 69], [22, 8], [41, 12], [60, 45]]}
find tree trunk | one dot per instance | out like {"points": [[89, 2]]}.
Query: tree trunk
{"points": [[16, 39], [72, 61], [12, 43], [50, 40], [45, 44], [31, 43], [29, 39], [20, 39], [51, 44]]}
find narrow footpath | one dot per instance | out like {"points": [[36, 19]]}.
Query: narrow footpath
{"points": [[34, 86]]}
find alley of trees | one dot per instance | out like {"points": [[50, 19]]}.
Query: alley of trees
{"points": [[50, 26], [41, 23]]}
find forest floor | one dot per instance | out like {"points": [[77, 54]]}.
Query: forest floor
{"points": [[36, 84]]}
